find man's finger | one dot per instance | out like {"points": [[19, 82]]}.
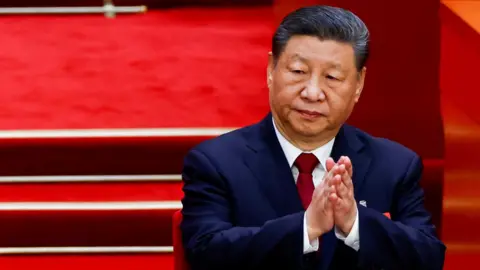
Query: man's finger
{"points": [[329, 197], [347, 181], [328, 176], [338, 205], [341, 188], [335, 180], [327, 190], [329, 164], [332, 202], [332, 199], [348, 166]]}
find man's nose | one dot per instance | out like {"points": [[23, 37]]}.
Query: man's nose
{"points": [[313, 91]]}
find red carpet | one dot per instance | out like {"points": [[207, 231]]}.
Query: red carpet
{"points": [[170, 68]]}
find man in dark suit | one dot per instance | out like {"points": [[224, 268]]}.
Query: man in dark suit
{"points": [[301, 189]]}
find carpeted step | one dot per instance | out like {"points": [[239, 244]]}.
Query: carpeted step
{"points": [[155, 261], [86, 224], [98, 152], [109, 188], [129, 222]]}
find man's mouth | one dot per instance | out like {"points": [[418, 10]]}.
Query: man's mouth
{"points": [[309, 114]]}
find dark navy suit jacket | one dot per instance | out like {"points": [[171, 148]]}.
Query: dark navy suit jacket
{"points": [[241, 208]]}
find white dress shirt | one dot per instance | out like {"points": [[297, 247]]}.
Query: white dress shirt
{"points": [[322, 153]]}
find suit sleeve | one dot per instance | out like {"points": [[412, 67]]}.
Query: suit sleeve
{"points": [[210, 237], [408, 240]]}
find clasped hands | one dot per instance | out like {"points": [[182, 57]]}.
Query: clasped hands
{"points": [[333, 202]]}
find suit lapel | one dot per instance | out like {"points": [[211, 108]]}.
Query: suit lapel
{"points": [[346, 144], [270, 166]]}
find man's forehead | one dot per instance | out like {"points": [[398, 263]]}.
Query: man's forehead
{"points": [[330, 60], [310, 49]]}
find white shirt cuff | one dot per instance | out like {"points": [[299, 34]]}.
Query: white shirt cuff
{"points": [[353, 238], [308, 246]]}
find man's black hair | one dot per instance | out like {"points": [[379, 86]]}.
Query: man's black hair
{"points": [[325, 23]]}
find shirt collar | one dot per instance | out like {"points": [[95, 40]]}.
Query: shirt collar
{"points": [[292, 152]]}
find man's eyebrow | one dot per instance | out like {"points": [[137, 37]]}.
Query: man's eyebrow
{"points": [[331, 64], [337, 66], [299, 57]]}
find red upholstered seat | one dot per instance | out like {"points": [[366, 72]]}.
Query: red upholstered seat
{"points": [[432, 184], [178, 251]]}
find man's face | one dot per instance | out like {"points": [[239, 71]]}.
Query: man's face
{"points": [[314, 86]]}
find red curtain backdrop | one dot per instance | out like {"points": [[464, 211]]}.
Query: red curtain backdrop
{"points": [[460, 56]]}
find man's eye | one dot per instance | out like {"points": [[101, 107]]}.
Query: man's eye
{"points": [[298, 71], [330, 77]]}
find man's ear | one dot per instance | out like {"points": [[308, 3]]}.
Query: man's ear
{"points": [[270, 67], [360, 83]]}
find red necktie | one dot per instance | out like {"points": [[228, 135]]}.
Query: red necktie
{"points": [[306, 163]]}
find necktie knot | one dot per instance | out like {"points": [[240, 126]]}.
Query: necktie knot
{"points": [[306, 162]]}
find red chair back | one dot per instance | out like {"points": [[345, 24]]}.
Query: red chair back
{"points": [[178, 252]]}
